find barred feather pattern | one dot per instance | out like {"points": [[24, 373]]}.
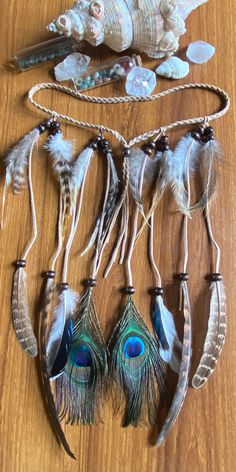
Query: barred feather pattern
{"points": [[17, 159], [61, 152], [47, 390], [108, 212], [20, 313], [182, 384], [184, 161], [136, 368], [209, 154], [215, 338], [80, 389], [63, 313]]}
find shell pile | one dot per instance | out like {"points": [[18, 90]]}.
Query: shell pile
{"points": [[150, 26]]}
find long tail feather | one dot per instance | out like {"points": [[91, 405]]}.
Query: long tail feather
{"points": [[20, 312], [182, 384], [215, 338], [170, 345], [48, 394]]}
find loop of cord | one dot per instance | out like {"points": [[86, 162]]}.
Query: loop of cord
{"points": [[127, 99]]}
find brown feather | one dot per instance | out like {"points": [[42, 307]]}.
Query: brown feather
{"points": [[182, 384], [48, 394], [215, 338], [20, 312]]}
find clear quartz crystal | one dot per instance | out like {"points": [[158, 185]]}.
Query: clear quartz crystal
{"points": [[72, 66], [140, 81], [200, 52]]}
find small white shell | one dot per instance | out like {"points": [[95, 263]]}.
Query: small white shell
{"points": [[173, 68]]}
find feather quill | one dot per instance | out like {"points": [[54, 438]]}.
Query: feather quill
{"points": [[20, 312], [184, 159], [209, 154], [182, 384], [63, 313], [48, 394], [215, 338], [170, 345]]}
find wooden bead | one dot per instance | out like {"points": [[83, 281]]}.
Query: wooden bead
{"points": [[157, 291], [215, 277], [126, 151], [128, 290], [50, 274], [64, 286], [20, 263], [183, 276], [91, 282]]}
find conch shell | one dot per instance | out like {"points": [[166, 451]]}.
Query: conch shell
{"points": [[149, 26]]}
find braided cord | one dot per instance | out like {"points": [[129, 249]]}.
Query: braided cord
{"points": [[127, 99]]}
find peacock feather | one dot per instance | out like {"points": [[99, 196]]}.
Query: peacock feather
{"points": [[79, 389], [136, 367]]}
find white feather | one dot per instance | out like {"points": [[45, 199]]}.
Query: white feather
{"points": [[65, 309], [59, 148], [81, 166], [163, 317], [184, 160]]}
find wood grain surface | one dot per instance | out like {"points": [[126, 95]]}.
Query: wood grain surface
{"points": [[204, 437]]}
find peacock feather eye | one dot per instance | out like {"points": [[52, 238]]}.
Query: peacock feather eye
{"points": [[133, 347], [82, 356]]}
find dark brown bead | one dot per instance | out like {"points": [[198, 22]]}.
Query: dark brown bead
{"points": [[41, 128], [64, 286], [126, 151], [128, 290], [209, 130], [91, 282], [151, 145], [164, 139], [105, 143], [157, 291], [20, 263], [50, 274], [183, 276], [107, 150], [216, 277], [148, 150], [200, 130], [93, 143], [195, 135]]}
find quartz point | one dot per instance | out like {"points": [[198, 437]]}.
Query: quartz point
{"points": [[140, 81], [72, 66], [200, 52]]}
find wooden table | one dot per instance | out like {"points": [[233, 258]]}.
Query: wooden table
{"points": [[204, 437]]}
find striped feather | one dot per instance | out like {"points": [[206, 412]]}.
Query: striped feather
{"points": [[20, 312], [215, 338], [182, 384]]}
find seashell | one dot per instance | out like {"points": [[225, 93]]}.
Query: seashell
{"points": [[150, 26], [173, 68]]}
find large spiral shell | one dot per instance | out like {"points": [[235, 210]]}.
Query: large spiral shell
{"points": [[149, 26]]}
